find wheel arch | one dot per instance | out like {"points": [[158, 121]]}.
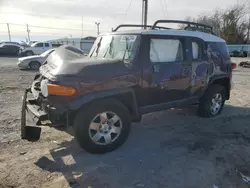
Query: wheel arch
{"points": [[26, 51], [34, 61], [224, 81], [125, 95]]}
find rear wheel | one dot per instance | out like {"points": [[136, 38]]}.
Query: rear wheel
{"points": [[103, 126], [34, 65], [212, 103]]}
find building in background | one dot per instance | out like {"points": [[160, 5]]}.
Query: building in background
{"points": [[84, 44]]}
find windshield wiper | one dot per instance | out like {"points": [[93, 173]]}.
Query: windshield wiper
{"points": [[98, 46], [110, 47], [126, 50], [96, 50]]}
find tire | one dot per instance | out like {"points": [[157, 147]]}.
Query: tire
{"points": [[205, 104], [34, 65], [85, 135], [29, 53]]}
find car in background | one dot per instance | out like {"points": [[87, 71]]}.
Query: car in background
{"points": [[7, 42], [34, 61], [36, 49], [245, 64], [238, 53], [10, 49], [31, 42]]}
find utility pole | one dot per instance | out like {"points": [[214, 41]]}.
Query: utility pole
{"points": [[9, 32], [28, 31], [82, 26], [98, 27], [144, 13]]}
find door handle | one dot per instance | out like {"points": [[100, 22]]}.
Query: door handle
{"points": [[156, 68], [186, 70]]}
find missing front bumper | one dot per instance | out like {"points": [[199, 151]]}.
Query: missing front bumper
{"points": [[31, 133]]}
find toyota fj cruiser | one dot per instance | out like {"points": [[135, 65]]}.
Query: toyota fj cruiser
{"points": [[128, 74]]}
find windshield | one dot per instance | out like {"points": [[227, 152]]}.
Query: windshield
{"points": [[115, 47], [46, 53]]}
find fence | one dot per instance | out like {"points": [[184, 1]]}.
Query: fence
{"points": [[240, 47], [58, 36], [84, 44]]}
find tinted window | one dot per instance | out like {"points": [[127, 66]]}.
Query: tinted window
{"points": [[166, 50], [219, 48], [46, 44], [196, 49], [39, 45]]}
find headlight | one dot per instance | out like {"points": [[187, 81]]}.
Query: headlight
{"points": [[44, 87]]}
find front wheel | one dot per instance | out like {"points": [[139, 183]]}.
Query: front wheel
{"points": [[212, 103], [34, 65], [102, 126]]}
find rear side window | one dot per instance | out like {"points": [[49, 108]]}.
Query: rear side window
{"points": [[46, 44], [196, 49], [166, 50]]}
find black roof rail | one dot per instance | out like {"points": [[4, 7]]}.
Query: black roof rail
{"points": [[190, 25], [135, 25]]}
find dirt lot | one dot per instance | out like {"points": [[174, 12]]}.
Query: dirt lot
{"points": [[173, 148]]}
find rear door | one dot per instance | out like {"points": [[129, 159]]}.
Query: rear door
{"points": [[168, 73], [200, 66], [47, 46]]}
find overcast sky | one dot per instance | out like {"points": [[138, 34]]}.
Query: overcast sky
{"points": [[68, 15]]}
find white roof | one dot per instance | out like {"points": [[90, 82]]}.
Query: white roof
{"points": [[202, 35], [10, 44]]}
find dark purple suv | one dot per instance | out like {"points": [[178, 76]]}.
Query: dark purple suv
{"points": [[128, 74]]}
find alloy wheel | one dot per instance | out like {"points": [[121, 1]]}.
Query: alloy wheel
{"points": [[105, 128]]}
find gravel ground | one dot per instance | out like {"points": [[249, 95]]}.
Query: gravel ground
{"points": [[172, 148]]}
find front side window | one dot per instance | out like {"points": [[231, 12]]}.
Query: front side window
{"points": [[122, 47], [166, 50], [37, 45]]}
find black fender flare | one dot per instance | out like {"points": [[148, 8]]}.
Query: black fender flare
{"points": [[88, 98], [217, 77], [228, 85]]}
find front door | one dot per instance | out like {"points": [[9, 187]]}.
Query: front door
{"points": [[168, 74], [39, 48]]}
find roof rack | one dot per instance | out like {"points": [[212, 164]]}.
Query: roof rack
{"points": [[135, 25], [190, 25]]}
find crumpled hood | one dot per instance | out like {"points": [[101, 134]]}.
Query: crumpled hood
{"points": [[64, 62]]}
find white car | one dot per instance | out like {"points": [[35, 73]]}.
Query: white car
{"points": [[34, 61], [36, 49]]}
